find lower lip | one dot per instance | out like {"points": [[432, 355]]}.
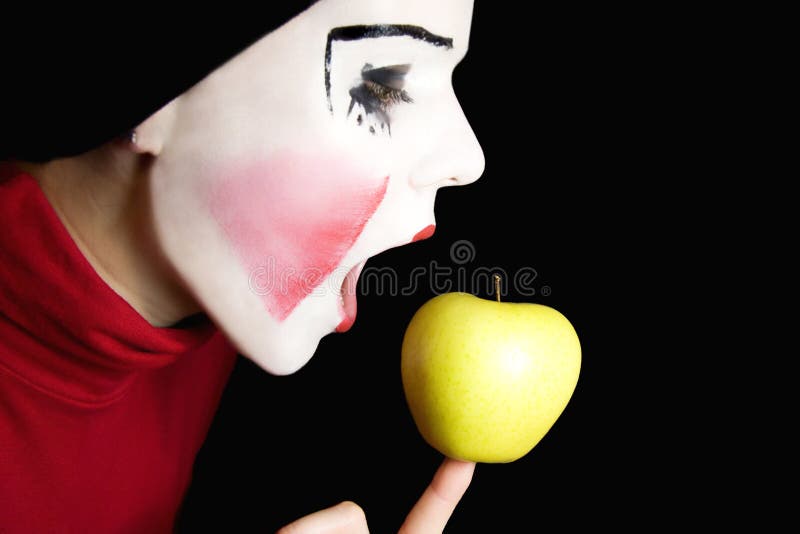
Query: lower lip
{"points": [[348, 309], [425, 233]]}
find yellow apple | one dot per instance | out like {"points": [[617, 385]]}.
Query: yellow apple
{"points": [[486, 380]]}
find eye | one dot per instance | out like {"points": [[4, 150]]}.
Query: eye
{"points": [[380, 89]]}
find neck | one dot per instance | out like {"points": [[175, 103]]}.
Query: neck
{"points": [[102, 198]]}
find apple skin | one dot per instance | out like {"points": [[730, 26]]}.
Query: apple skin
{"points": [[486, 380]]}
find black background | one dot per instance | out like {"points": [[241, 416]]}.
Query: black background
{"points": [[556, 100]]}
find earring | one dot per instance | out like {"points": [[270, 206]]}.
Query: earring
{"points": [[131, 137]]}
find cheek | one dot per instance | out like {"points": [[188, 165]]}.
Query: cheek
{"points": [[291, 219]]}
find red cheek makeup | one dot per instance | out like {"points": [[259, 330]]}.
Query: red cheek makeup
{"points": [[291, 219]]}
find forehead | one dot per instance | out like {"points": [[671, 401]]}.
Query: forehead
{"points": [[445, 18]]}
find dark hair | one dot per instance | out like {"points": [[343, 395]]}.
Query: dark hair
{"points": [[71, 84]]}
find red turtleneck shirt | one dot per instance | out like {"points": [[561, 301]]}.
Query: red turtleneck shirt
{"points": [[101, 414]]}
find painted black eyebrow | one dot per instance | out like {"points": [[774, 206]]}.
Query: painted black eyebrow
{"points": [[355, 33]]}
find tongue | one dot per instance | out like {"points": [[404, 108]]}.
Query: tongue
{"points": [[349, 298], [349, 292]]}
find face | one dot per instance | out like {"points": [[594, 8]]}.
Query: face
{"points": [[319, 146]]}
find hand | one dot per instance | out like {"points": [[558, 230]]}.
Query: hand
{"points": [[428, 516]]}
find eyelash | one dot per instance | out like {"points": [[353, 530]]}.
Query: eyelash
{"points": [[377, 98], [386, 96]]}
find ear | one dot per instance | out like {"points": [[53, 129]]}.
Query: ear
{"points": [[152, 134]]}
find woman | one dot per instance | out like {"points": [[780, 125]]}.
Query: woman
{"points": [[235, 218]]}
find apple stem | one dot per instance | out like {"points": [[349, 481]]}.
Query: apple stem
{"points": [[497, 286]]}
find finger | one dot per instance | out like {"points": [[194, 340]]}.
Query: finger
{"points": [[440, 498], [344, 518]]}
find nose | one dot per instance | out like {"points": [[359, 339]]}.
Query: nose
{"points": [[455, 156]]}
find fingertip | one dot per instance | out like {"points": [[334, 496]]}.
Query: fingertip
{"points": [[351, 512], [464, 466], [345, 517], [453, 478], [460, 468], [440, 498]]}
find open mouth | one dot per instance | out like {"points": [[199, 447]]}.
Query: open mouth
{"points": [[348, 304]]}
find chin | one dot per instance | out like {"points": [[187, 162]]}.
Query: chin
{"points": [[283, 348], [283, 356]]}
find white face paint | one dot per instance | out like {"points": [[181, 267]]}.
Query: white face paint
{"points": [[319, 146]]}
